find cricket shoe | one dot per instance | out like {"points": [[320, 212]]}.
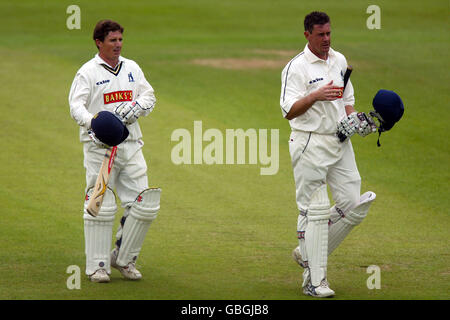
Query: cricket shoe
{"points": [[99, 276], [322, 291], [129, 271]]}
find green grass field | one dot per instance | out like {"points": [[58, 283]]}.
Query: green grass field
{"points": [[224, 231]]}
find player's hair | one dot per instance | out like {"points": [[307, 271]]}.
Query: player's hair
{"points": [[313, 18], [103, 27]]}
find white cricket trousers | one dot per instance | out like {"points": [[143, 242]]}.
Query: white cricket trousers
{"points": [[318, 159], [129, 174]]}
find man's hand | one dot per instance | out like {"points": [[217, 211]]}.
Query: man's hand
{"points": [[367, 125], [96, 140], [355, 123], [328, 92], [129, 112]]}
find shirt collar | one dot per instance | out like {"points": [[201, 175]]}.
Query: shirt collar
{"points": [[311, 57], [101, 61]]}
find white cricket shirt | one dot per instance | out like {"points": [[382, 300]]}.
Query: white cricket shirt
{"points": [[98, 86], [306, 73]]}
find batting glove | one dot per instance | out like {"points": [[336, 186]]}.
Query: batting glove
{"points": [[129, 112], [366, 126], [97, 142], [355, 123], [347, 127]]}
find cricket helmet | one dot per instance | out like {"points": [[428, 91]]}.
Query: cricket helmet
{"points": [[108, 128], [388, 108]]}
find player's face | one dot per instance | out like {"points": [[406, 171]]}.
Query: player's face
{"points": [[110, 48], [319, 40]]}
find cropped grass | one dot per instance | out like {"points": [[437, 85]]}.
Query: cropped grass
{"points": [[224, 231]]}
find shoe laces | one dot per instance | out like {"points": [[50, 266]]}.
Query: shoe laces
{"points": [[324, 283]]}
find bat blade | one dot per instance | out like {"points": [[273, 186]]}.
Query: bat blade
{"points": [[96, 199], [347, 74]]}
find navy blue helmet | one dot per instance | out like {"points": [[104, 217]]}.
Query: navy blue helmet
{"points": [[388, 109], [108, 128]]}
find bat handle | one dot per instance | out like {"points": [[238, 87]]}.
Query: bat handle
{"points": [[347, 75]]}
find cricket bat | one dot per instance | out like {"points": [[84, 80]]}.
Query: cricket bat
{"points": [[346, 78], [347, 74], [96, 199]]}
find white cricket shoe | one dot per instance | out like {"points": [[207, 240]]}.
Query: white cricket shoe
{"points": [[129, 271], [298, 258], [322, 291], [99, 276]]}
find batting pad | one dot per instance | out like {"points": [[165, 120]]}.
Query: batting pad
{"points": [[141, 214], [316, 235], [341, 224], [98, 233], [301, 229]]}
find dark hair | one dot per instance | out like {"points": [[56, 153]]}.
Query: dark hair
{"points": [[313, 18], [103, 27]]}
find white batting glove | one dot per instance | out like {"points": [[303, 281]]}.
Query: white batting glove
{"points": [[366, 126], [347, 127], [96, 140], [129, 112], [355, 123]]}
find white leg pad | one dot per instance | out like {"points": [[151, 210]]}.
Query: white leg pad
{"points": [[341, 224], [301, 228], [316, 235], [140, 216], [98, 233]]}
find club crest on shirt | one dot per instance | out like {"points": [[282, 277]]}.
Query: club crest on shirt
{"points": [[117, 96]]}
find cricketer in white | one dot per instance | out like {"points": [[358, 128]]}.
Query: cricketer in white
{"points": [[314, 101], [112, 83]]}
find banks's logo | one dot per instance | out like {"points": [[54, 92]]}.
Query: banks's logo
{"points": [[117, 96]]}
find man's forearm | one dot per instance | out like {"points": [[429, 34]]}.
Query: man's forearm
{"points": [[301, 106], [349, 109], [81, 115]]}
